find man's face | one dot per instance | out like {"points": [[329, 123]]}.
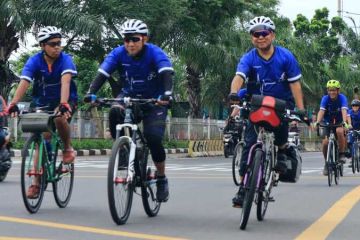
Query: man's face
{"points": [[52, 47], [262, 39], [134, 43], [333, 92]]}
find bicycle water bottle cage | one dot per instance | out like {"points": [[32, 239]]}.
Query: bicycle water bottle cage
{"points": [[267, 111]]}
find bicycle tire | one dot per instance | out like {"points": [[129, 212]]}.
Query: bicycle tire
{"points": [[357, 158], [29, 172], [354, 155], [263, 196], [64, 180], [250, 188], [148, 187], [330, 163], [117, 185], [236, 163], [3, 176]]}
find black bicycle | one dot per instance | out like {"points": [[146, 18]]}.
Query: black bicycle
{"points": [[355, 155], [129, 168]]}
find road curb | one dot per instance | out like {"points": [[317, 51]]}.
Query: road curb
{"points": [[101, 152]]}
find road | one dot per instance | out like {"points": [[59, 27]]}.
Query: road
{"points": [[199, 207]]}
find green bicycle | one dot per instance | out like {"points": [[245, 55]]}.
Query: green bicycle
{"points": [[40, 164]]}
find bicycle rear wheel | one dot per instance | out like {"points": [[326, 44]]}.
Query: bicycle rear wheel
{"points": [[250, 187], [64, 180], [33, 173], [330, 161], [148, 187], [120, 191], [354, 155], [236, 163]]}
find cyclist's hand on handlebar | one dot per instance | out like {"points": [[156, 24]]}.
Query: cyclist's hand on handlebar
{"points": [[347, 126], [90, 98], [13, 110], [164, 99], [233, 97], [64, 109]]}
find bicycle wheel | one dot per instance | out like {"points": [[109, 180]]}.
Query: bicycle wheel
{"points": [[354, 155], [33, 173], [330, 162], [263, 196], [357, 158], [236, 163], [148, 188], [64, 180], [250, 187], [120, 191]]}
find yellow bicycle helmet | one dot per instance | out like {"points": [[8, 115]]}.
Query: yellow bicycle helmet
{"points": [[333, 84]]}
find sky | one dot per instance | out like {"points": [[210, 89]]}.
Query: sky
{"points": [[290, 8]]}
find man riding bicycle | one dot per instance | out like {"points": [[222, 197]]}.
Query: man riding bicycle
{"points": [[333, 109], [271, 71], [145, 72], [51, 72]]}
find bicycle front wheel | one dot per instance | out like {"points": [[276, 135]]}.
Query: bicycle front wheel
{"points": [[33, 174], [63, 182], [330, 161], [250, 187], [357, 162], [120, 191], [236, 163], [148, 187]]}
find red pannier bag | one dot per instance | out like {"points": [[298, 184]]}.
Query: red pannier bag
{"points": [[267, 111]]}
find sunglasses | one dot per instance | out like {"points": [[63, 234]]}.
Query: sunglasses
{"points": [[54, 44], [260, 33], [132, 39]]}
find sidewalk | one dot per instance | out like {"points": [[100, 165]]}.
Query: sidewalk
{"points": [[101, 152]]}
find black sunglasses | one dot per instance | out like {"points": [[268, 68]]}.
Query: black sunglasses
{"points": [[132, 39], [260, 33], [54, 44]]}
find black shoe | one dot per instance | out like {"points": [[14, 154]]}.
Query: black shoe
{"points": [[162, 192], [239, 198], [281, 165]]}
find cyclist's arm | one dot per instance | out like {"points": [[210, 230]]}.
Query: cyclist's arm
{"points": [[296, 90], [320, 115], [236, 84], [167, 80], [65, 87], [97, 83], [344, 115], [20, 91]]}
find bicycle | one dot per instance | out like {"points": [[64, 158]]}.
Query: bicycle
{"points": [[242, 123], [5, 157], [355, 155], [260, 176], [334, 167], [129, 168], [40, 161]]}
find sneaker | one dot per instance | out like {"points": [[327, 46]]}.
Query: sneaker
{"points": [[68, 156], [162, 193], [342, 158], [33, 192], [239, 198], [325, 170], [281, 165]]}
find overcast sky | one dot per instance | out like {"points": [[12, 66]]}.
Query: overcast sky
{"points": [[290, 8]]}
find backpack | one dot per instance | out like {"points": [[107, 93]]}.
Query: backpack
{"points": [[294, 163]]}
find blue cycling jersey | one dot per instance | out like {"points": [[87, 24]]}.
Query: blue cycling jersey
{"points": [[47, 79], [270, 77], [333, 108], [139, 77], [355, 119], [242, 93]]}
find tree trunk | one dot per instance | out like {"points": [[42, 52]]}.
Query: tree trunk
{"points": [[194, 91]]}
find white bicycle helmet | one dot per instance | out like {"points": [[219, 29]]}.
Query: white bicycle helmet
{"points": [[47, 33], [261, 23], [132, 26]]}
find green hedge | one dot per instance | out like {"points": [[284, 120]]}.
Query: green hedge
{"points": [[105, 144]]}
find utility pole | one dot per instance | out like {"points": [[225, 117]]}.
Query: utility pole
{"points": [[340, 8]]}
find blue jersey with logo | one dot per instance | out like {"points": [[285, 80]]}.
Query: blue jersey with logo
{"points": [[355, 119], [270, 77], [139, 76], [333, 108], [47, 79]]}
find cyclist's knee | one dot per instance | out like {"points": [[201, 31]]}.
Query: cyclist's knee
{"points": [[116, 116]]}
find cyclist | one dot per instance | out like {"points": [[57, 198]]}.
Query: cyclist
{"points": [[333, 108], [354, 121], [271, 71], [4, 136], [51, 72], [145, 72]]}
